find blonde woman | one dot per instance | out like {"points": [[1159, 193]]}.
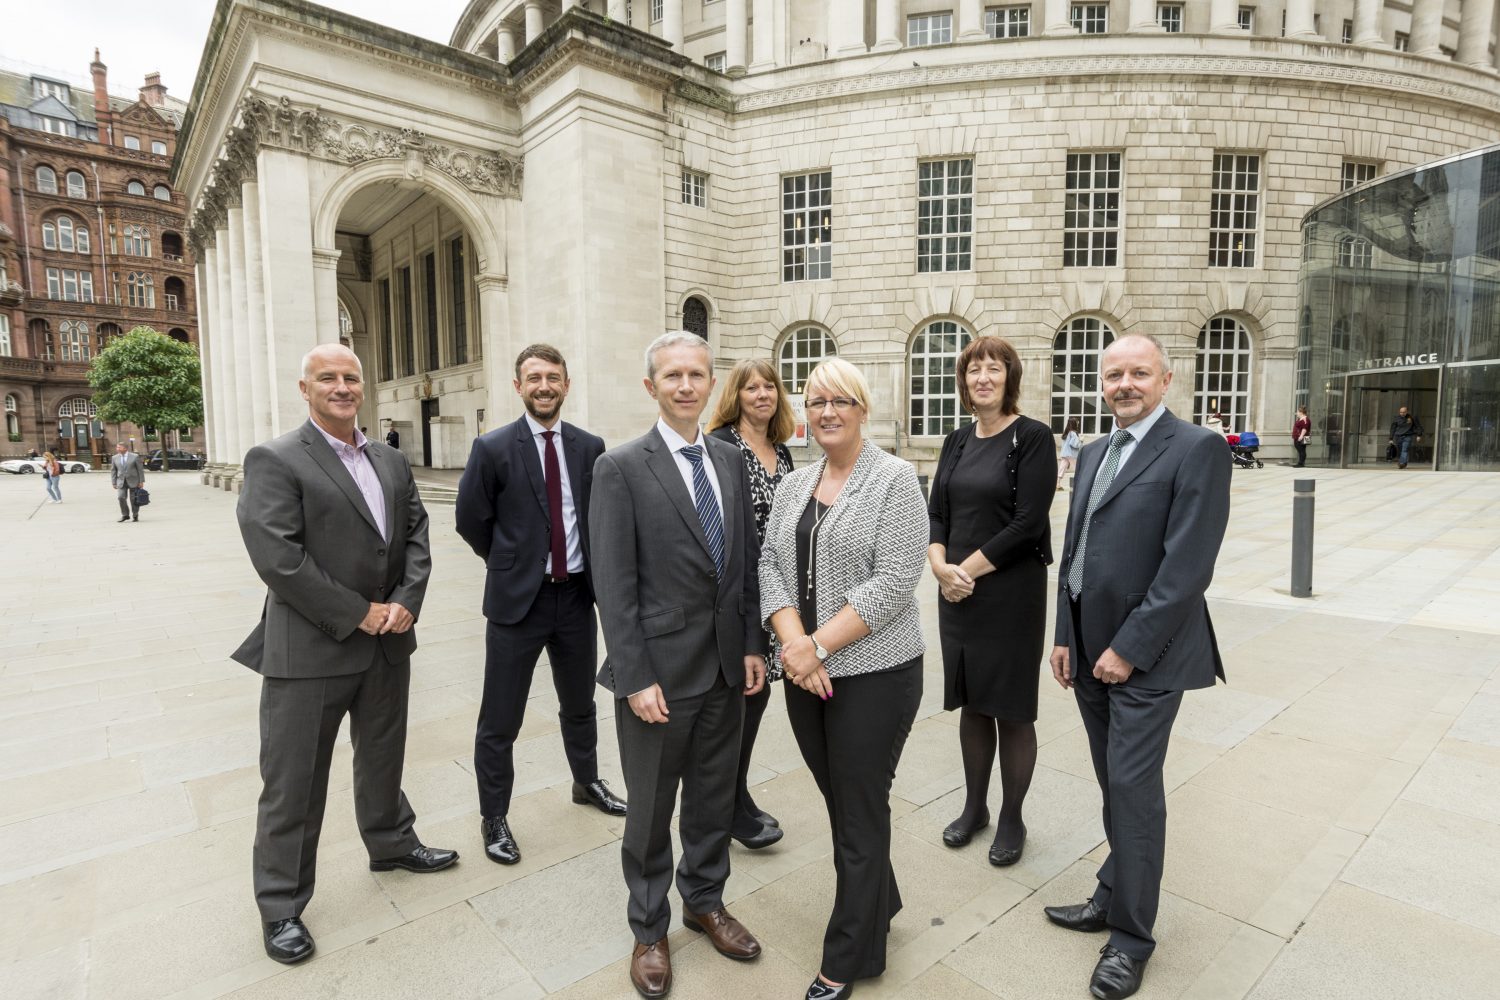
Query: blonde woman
{"points": [[52, 476], [838, 576]]}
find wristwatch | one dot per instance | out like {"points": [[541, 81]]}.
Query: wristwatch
{"points": [[818, 648]]}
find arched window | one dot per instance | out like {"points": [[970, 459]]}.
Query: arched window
{"points": [[171, 245], [78, 406], [49, 236], [135, 187], [138, 241], [12, 418], [803, 350], [140, 290], [74, 337], [161, 193], [179, 335], [46, 180], [104, 333], [932, 372], [176, 293], [1223, 384], [81, 238], [695, 317], [64, 233], [77, 187], [1354, 251], [1075, 373]]}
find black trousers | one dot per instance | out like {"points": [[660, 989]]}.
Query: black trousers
{"points": [[852, 743], [1128, 727], [698, 747], [299, 722], [1301, 447], [755, 710], [562, 621]]}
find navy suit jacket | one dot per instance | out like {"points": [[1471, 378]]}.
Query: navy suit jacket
{"points": [[502, 511]]}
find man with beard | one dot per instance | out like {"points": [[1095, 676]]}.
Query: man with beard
{"points": [[523, 506]]}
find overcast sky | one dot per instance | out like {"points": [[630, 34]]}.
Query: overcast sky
{"points": [[135, 37]]}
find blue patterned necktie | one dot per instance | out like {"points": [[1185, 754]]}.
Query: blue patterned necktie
{"points": [[1106, 475], [707, 505]]}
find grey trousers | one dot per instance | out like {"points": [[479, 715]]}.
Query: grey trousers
{"points": [[126, 496], [299, 722]]}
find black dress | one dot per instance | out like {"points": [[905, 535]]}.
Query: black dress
{"points": [[995, 494]]}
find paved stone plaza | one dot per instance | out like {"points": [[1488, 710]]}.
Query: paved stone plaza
{"points": [[1334, 810]]}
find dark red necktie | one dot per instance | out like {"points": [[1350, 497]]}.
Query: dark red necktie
{"points": [[554, 510]]}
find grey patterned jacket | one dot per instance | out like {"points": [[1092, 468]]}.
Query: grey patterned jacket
{"points": [[870, 552]]}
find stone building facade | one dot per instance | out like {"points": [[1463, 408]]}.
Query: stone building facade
{"points": [[879, 180], [92, 244]]}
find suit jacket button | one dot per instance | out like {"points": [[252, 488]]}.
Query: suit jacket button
{"points": [[380, 552]]}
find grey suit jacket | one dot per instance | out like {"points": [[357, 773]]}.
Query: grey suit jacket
{"points": [[312, 539], [667, 617], [1151, 551], [131, 473]]}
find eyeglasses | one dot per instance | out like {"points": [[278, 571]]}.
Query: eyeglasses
{"points": [[839, 403]]}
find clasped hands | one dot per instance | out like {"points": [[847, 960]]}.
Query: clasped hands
{"points": [[650, 705], [953, 583], [1111, 668], [383, 618], [799, 658]]}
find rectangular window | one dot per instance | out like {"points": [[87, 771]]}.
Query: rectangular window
{"points": [[945, 215], [459, 319], [656, 11], [929, 29], [159, 148], [716, 61], [4, 336], [1356, 172], [1008, 22], [430, 309], [1169, 16], [1247, 18], [184, 435], [132, 142], [1403, 42], [70, 286], [694, 189], [1347, 34], [50, 88], [54, 283], [1091, 210], [172, 302], [807, 226], [387, 333], [1234, 212], [54, 125], [86, 287], [1089, 18], [407, 348]]}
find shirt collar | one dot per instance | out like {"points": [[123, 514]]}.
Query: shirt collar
{"points": [[340, 447], [537, 428], [1141, 428], [675, 442]]}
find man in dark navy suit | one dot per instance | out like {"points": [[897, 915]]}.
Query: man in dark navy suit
{"points": [[523, 506]]}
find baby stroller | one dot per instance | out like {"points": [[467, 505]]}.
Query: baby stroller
{"points": [[1242, 449]]}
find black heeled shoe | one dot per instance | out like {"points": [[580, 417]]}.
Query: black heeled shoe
{"points": [[820, 990], [958, 833]]}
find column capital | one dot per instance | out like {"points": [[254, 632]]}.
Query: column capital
{"points": [[326, 258], [491, 282]]}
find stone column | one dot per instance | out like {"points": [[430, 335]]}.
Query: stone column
{"points": [[534, 23], [888, 34], [326, 294], [846, 28], [1224, 17], [493, 333], [255, 312], [1474, 25], [671, 23], [1299, 19], [1426, 27], [1055, 13], [505, 42], [236, 360], [1367, 16], [252, 391], [287, 273], [1143, 16], [971, 21], [765, 51], [213, 419], [736, 27]]}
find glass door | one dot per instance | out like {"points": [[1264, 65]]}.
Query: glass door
{"points": [[1372, 404], [1468, 437]]}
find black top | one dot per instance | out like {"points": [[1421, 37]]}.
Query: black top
{"points": [[1000, 501], [807, 583], [762, 483]]}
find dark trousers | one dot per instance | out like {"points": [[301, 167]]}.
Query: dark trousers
{"points": [[561, 620], [1128, 727], [755, 710], [852, 743], [698, 747], [126, 496], [1301, 447], [299, 721]]}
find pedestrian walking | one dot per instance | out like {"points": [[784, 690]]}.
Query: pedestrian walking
{"points": [[52, 476], [1404, 429], [1301, 432], [1071, 443], [126, 474]]}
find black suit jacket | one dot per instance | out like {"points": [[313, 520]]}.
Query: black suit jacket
{"points": [[1151, 550], [502, 511]]}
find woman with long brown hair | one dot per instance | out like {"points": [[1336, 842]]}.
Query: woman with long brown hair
{"points": [[754, 415]]}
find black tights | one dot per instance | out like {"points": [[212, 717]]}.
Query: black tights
{"points": [[979, 736]]}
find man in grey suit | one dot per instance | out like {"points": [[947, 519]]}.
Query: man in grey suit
{"points": [[1145, 525], [334, 526], [675, 561], [126, 472]]}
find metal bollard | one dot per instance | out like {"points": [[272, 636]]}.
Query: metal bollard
{"points": [[1303, 501]]}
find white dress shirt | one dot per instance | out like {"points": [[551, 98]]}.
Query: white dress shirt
{"points": [[569, 514], [676, 442], [1137, 431]]}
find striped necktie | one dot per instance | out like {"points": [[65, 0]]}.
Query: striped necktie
{"points": [[1106, 475], [707, 506]]}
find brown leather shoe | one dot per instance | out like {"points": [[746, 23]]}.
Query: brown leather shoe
{"points": [[651, 969], [729, 936]]}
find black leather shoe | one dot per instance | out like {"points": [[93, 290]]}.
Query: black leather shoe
{"points": [[125, 518], [597, 794], [820, 990], [287, 941], [422, 860], [958, 833], [764, 816], [1084, 917], [1117, 975], [499, 844], [754, 840], [1003, 857]]}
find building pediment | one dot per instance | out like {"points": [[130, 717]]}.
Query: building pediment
{"points": [[51, 107]]}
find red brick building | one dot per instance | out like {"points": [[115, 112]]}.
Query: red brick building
{"points": [[92, 244]]}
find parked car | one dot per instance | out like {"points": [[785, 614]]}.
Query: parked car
{"points": [[175, 460], [27, 466]]}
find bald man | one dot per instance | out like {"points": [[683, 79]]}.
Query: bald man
{"points": [[333, 524]]}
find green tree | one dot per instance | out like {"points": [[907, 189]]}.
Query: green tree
{"points": [[149, 380]]}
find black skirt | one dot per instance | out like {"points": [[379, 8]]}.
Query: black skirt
{"points": [[993, 642]]}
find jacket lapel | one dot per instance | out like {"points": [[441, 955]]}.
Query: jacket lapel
{"points": [[664, 467], [386, 473], [1146, 452], [526, 445], [727, 468], [573, 455], [322, 454]]}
